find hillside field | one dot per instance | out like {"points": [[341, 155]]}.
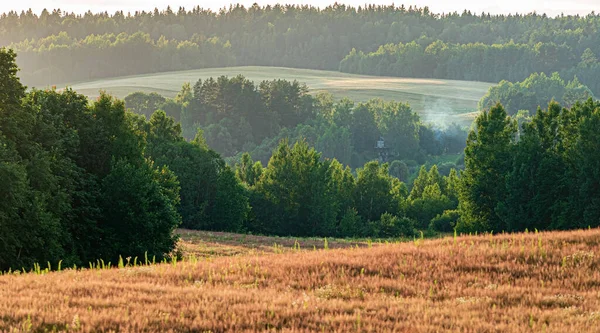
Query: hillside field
{"points": [[531, 282], [436, 100]]}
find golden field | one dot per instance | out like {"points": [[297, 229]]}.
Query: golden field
{"points": [[532, 282]]}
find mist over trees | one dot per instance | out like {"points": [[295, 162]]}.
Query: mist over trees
{"points": [[391, 40], [237, 115]]}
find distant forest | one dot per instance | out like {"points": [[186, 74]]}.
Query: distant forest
{"points": [[56, 47]]}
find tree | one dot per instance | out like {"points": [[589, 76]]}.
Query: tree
{"points": [[487, 161], [351, 225], [445, 222], [580, 145], [534, 174], [231, 202], [144, 104], [363, 128], [140, 215], [244, 170], [376, 192], [419, 184], [390, 225], [210, 198], [296, 187], [399, 125], [431, 203], [399, 169]]}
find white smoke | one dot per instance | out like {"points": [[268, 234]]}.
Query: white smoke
{"points": [[438, 112]]}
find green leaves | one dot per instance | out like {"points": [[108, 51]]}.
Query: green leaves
{"points": [[77, 186], [139, 211], [487, 161], [296, 185], [535, 91]]}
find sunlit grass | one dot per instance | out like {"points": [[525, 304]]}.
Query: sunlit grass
{"points": [[535, 281]]}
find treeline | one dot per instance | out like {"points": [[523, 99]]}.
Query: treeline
{"points": [[236, 115], [301, 194], [76, 185], [545, 178], [534, 92], [476, 61], [308, 37], [60, 58]]}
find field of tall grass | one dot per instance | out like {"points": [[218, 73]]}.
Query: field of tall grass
{"points": [[530, 282]]}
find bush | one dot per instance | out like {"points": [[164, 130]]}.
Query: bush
{"points": [[350, 224], [392, 226], [445, 222], [140, 216]]}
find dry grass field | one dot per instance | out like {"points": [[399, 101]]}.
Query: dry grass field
{"points": [[533, 282], [436, 100]]}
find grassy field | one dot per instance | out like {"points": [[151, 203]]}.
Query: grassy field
{"points": [[436, 100], [534, 282]]}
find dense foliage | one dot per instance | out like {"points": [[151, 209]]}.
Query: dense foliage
{"points": [[477, 61], [545, 178], [533, 92], [87, 181], [211, 196], [395, 40], [236, 116], [300, 194], [61, 58], [76, 186]]}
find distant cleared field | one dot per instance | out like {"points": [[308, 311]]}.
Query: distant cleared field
{"points": [[532, 282], [436, 100]]}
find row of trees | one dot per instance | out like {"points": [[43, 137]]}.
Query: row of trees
{"points": [[545, 178], [76, 185], [475, 61], [308, 37], [301, 194], [236, 115], [61, 58], [533, 92]]}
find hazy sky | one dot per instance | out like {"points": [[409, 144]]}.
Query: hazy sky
{"points": [[550, 7]]}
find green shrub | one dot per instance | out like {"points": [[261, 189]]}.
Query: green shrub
{"points": [[445, 222]]}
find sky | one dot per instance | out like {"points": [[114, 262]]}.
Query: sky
{"points": [[550, 7]]}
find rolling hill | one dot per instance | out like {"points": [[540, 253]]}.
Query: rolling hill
{"points": [[436, 100]]}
